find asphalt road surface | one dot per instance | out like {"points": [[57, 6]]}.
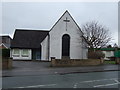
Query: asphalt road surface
{"points": [[78, 80]]}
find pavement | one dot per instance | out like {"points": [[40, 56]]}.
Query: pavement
{"points": [[29, 68]]}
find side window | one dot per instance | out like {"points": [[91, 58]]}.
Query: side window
{"points": [[25, 53], [16, 52]]}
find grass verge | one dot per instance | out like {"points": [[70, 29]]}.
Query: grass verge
{"points": [[109, 62]]}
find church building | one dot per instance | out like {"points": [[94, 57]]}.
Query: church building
{"points": [[64, 40]]}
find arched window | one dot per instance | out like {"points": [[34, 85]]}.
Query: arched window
{"points": [[65, 45]]}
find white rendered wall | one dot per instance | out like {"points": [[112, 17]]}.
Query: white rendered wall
{"points": [[56, 33], [20, 55], [44, 54], [108, 54]]}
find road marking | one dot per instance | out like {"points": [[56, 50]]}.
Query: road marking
{"points": [[117, 81], [56, 72], [90, 81], [105, 85], [75, 86], [98, 80], [36, 86]]}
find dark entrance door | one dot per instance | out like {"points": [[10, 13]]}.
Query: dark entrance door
{"points": [[38, 55], [66, 45]]}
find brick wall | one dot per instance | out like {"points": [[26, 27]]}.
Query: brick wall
{"points": [[6, 63], [75, 62], [2, 47], [117, 60]]}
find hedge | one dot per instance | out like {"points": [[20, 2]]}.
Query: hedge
{"points": [[5, 53]]}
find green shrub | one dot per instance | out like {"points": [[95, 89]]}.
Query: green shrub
{"points": [[5, 53]]}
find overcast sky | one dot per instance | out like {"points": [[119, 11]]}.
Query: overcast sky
{"points": [[43, 15]]}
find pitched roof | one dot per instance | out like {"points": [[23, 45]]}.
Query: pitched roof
{"points": [[6, 40], [28, 38], [71, 18], [3, 45], [73, 21], [3, 38]]}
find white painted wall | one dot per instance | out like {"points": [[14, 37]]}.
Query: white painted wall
{"points": [[44, 54], [56, 33], [19, 56], [108, 54]]}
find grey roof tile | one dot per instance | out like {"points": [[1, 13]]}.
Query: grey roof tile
{"points": [[28, 38]]}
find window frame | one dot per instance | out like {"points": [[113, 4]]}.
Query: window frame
{"points": [[23, 54], [16, 54]]}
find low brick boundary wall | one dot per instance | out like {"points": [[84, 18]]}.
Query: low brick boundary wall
{"points": [[6, 63], [117, 61], [75, 62]]}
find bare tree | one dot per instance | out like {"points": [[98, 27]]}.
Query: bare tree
{"points": [[96, 35]]}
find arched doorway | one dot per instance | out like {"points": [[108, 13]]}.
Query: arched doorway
{"points": [[65, 45]]}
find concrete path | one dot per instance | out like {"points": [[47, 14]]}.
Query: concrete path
{"points": [[29, 68]]}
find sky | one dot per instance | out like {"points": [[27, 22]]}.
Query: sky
{"points": [[119, 23], [43, 15]]}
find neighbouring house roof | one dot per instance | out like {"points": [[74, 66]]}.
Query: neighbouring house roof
{"points": [[105, 49], [28, 38], [5, 41], [4, 46], [5, 36], [117, 53]]}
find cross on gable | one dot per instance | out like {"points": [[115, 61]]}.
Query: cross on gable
{"points": [[66, 20]]}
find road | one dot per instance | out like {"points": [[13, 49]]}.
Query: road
{"points": [[76, 80]]}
